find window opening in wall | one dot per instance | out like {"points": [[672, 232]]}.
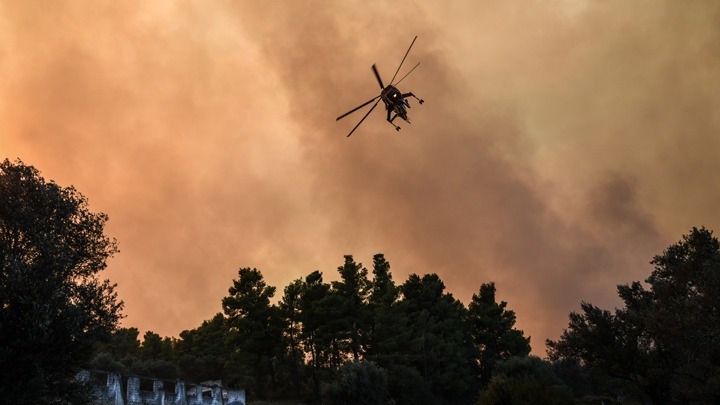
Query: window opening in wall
{"points": [[146, 384]]}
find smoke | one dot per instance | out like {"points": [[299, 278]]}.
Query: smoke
{"points": [[560, 146]]}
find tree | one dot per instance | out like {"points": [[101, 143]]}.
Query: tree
{"points": [[152, 346], [201, 353], [290, 312], [156, 358], [388, 331], [316, 336], [438, 342], [255, 328], [383, 291], [665, 341], [353, 316], [123, 342], [53, 306], [492, 327]]}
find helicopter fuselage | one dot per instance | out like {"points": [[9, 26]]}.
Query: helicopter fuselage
{"points": [[394, 101]]}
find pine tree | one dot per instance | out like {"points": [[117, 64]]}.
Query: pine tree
{"points": [[439, 343], [315, 335], [290, 311], [255, 328], [493, 332], [201, 353], [388, 323], [353, 316]]}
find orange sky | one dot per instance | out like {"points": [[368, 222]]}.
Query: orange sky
{"points": [[562, 144]]}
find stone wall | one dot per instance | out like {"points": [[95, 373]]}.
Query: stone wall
{"points": [[134, 390]]}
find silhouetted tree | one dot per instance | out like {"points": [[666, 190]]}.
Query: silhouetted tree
{"points": [[439, 345], [290, 311], [665, 340], [123, 342], [383, 291], [316, 336], [255, 328], [388, 333], [53, 306], [201, 353], [156, 358], [151, 347], [492, 327], [353, 317]]}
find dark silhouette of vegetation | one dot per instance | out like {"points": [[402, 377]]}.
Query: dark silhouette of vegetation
{"points": [[354, 340], [492, 328], [336, 342], [53, 306], [255, 333], [437, 339], [525, 380], [201, 353], [663, 345], [416, 344], [357, 382]]}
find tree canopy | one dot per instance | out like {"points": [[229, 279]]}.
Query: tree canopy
{"points": [[53, 305], [493, 332], [665, 341]]}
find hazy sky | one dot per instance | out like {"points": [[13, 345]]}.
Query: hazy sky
{"points": [[562, 143]]}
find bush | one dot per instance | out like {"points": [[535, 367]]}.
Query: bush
{"points": [[407, 387], [357, 382], [525, 380]]}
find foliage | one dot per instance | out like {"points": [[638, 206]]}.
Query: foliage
{"points": [[53, 306], [439, 343], [316, 334], [664, 341], [201, 353], [407, 387], [104, 361], [152, 346], [156, 368], [353, 316], [388, 332], [492, 331], [125, 354], [525, 380], [255, 329], [359, 338], [422, 340], [357, 382], [123, 342], [290, 313]]}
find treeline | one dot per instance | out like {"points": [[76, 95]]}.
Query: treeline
{"points": [[368, 340], [358, 337], [359, 340], [663, 345]]}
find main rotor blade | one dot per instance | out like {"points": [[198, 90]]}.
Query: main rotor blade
{"points": [[356, 108], [403, 60], [363, 118], [408, 74], [377, 76]]}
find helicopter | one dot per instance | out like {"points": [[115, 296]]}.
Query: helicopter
{"points": [[395, 101]]}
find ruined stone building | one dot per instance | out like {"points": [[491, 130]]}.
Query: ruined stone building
{"points": [[115, 389]]}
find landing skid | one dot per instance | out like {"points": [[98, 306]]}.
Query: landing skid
{"points": [[390, 120]]}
